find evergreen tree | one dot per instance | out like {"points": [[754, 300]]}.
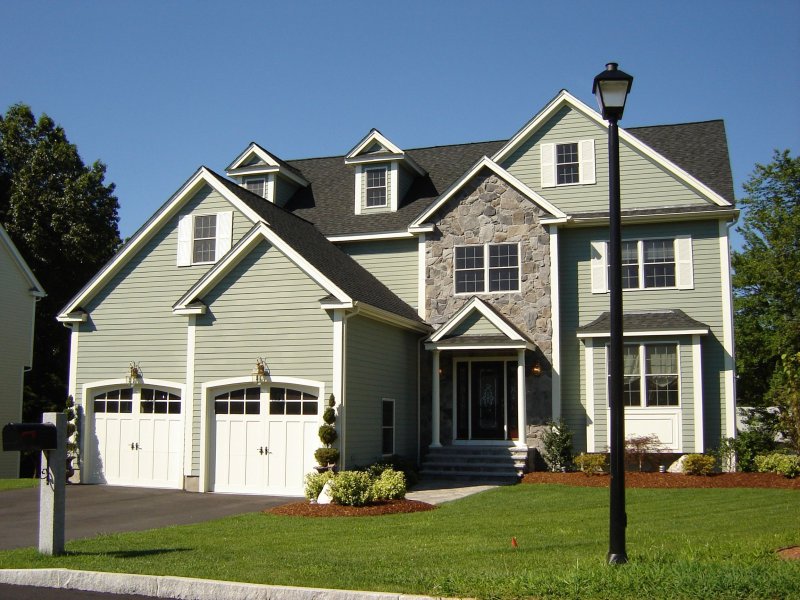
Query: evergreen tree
{"points": [[766, 278], [63, 218]]}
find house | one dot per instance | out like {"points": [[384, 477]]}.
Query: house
{"points": [[21, 290], [446, 299]]}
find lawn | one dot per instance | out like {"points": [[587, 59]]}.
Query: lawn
{"points": [[684, 543], [16, 484]]}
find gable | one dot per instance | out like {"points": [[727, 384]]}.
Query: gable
{"points": [[645, 183], [475, 324]]}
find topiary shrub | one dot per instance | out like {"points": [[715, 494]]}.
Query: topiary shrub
{"points": [[592, 464], [315, 482], [787, 465], [326, 456], [699, 464], [351, 488], [327, 434], [389, 485], [329, 416]]}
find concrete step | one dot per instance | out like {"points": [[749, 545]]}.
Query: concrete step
{"points": [[470, 463]]}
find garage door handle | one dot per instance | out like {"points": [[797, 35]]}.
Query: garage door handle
{"points": [[263, 450], [135, 446]]}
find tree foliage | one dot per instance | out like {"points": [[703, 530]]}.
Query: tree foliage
{"points": [[785, 394], [63, 218], [766, 278]]}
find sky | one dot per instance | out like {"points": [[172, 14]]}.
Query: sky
{"points": [[155, 89]]}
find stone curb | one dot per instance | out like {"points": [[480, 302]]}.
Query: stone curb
{"points": [[181, 588]]}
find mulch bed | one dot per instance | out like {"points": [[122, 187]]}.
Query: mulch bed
{"points": [[306, 509], [634, 479]]}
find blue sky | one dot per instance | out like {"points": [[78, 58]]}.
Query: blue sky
{"points": [[156, 89]]}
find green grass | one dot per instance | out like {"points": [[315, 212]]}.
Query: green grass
{"points": [[17, 484], [699, 543]]}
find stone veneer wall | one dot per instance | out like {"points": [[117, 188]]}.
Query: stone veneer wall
{"points": [[488, 210]]}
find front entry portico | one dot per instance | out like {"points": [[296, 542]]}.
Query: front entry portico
{"points": [[488, 386]]}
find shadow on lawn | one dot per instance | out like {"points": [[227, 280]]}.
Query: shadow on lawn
{"points": [[128, 553]]}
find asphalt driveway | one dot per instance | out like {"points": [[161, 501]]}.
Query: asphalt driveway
{"points": [[95, 509]]}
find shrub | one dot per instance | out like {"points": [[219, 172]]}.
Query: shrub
{"points": [[787, 465], [638, 447], [699, 464], [327, 434], [329, 416], [592, 463], [352, 488], [398, 463], [315, 482], [389, 485], [557, 441], [758, 437], [326, 456]]}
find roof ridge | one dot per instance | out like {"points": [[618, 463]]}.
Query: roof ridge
{"points": [[675, 124], [342, 156]]}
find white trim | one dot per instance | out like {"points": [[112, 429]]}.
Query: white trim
{"points": [[387, 170], [476, 304], [393, 187], [436, 403], [338, 355], [522, 404], [74, 337], [36, 288], [697, 393], [359, 175], [188, 401], [646, 333], [272, 165], [368, 237], [671, 217], [508, 346], [394, 152], [500, 172], [200, 178], [77, 316], [727, 330], [421, 278], [588, 358], [555, 319], [564, 98], [378, 314], [374, 136], [487, 269]]}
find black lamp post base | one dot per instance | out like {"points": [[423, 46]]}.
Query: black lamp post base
{"points": [[617, 558]]}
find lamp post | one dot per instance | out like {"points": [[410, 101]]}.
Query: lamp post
{"points": [[611, 88]]}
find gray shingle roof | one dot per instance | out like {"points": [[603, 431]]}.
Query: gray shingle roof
{"points": [[657, 320], [328, 258], [699, 148]]}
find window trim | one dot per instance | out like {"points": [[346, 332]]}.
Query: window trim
{"points": [[392, 427], [385, 187], [263, 181], [487, 269], [587, 167], [186, 239], [195, 239]]}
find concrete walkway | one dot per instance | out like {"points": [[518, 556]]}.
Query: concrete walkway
{"points": [[438, 492]]}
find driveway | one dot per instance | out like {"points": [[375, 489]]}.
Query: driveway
{"points": [[95, 509]]}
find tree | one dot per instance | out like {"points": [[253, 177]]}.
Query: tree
{"points": [[785, 394], [766, 278], [63, 218]]}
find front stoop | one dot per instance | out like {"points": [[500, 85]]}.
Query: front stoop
{"points": [[500, 464]]}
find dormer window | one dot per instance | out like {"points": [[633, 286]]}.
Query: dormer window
{"points": [[257, 185], [376, 187]]}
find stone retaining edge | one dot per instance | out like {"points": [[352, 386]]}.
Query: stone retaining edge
{"points": [[181, 588]]}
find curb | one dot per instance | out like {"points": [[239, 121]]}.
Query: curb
{"points": [[181, 588]]}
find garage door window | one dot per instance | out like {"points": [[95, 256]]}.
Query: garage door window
{"points": [[288, 401], [114, 401], [159, 402], [244, 401]]}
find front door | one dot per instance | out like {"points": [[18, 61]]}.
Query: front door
{"points": [[488, 406]]}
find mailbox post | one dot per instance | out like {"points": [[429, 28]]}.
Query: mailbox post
{"points": [[50, 437]]}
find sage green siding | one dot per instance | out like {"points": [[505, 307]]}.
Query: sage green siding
{"points": [[580, 306], [381, 362], [16, 345], [265, 307], [393, 262], [644, 183], [475, 324], [131, 319]]}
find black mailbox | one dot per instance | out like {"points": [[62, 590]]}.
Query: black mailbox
{"points": [[30, 436]]}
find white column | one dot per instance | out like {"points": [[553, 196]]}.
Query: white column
{"points": [[555, 317], [522, 412], [697, 377], [435, 443]]}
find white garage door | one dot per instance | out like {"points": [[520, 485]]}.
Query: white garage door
{"points": [[138, 438], [264, 439]]}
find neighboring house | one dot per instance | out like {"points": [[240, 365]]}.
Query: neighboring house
{"points": [[452, 296], [21, 290]]}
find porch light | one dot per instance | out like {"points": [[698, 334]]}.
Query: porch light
{"points": [[260, 372], [134, 374], [536, 369]]}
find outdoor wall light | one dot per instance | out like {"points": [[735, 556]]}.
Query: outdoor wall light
{"points": [[260, 373], [536, 369], [134, 374]]}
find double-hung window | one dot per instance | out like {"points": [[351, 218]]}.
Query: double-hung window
{"points": [[257, 185], [375, 187], [567, 164], [204, 241], [651, 375], [646, 264], [487, 268]]}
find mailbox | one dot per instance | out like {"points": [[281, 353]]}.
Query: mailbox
{"points": [[30, 437]]}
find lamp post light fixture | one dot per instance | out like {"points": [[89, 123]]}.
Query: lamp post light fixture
{"points": [[611, 88]]}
